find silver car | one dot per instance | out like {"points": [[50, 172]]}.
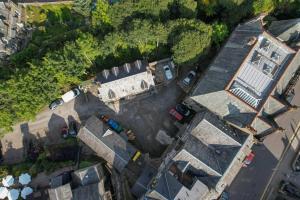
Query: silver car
{"points": [[168, 72]]}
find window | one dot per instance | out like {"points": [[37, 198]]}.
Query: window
{"points": [[267, 69]]}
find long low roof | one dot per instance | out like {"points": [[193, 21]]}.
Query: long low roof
{"points": [[106, 143], [126, 80]]}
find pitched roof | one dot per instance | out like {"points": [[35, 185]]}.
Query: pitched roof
{"points": [[208, 151], [90, 192], [239, 82], [286, 30], [209, 91], [123, 81], [88, 175], [63, 192], [106, 143]]}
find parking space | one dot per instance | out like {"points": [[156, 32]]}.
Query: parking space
{"points": [[148, 116]]}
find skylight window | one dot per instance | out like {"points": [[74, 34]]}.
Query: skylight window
{"points": [[275, 56], [267, 69]]}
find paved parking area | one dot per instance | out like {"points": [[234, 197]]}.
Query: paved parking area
{"points": [[145, 116]]}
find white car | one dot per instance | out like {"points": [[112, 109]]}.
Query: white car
{"points": [[72, 94], [188, 79], [168, 72]]}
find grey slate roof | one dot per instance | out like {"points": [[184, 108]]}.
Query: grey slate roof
{"points": [[89, 175], [210, 92], [209, 152], [240, 92], [286, 30], [90, 192], [140, 186], [106, 143], [63, 192]]}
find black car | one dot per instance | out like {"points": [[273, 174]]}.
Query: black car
{"points": [[54, 104], [183, 109]]}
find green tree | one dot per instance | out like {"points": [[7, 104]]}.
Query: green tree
{"points": [[83, 7], [100, 17], [263, 6], [183, 9], [183, 54], [220, 33]]}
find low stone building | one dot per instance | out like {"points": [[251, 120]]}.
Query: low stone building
{"points": [[125, 81]]}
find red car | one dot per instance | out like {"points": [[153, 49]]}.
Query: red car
{"points": [[176, 114], [248, 159]]}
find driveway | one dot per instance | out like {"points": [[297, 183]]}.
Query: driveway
{"points": [[145, 116], [251, 182]]}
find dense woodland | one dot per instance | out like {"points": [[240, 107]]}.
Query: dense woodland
{"points": [[71, 43]]}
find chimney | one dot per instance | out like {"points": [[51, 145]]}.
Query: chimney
{"points": [[251, 41], [127, 68], [138, 64], [105, 73], [115, 71]]}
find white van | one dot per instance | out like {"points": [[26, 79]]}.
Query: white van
{"points": [[72, 94]]}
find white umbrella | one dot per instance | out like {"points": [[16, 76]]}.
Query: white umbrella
{"points": [[3, 192], [8, 181], [26, 191], [24, 179], [13, 194]]}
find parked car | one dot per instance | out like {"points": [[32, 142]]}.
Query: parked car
{"points": [[54, 104], [289, 189], [175, 114], [296, 163], [115, 126], [72, 94], [188, 79], [248, 159], [168, 72], [183, 109]]}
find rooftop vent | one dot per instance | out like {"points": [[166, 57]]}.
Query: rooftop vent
{"points": [[268, 69], [105, 73], [115, 71], [127, 67], [138, 64], [265, 45]]}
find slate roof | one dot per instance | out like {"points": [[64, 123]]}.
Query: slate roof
{"points": [[63, 192], [209, 91], [90, 192], [106, 143], [286, 30], [251, 67], [207, 155], [89, 175], [123, 81]]}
